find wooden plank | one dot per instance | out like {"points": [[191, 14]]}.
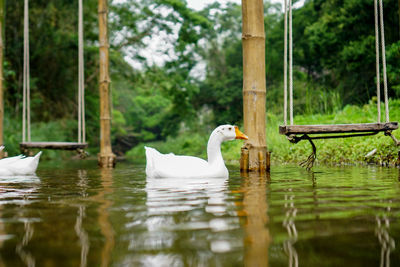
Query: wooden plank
{"points": [[53, 145], [337, 128]]}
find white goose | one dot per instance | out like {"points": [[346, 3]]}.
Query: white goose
{"points": [[171, 166], [19, 165]]}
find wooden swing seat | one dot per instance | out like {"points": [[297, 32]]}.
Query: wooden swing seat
{"points": [[53, 145], [338, 128]]}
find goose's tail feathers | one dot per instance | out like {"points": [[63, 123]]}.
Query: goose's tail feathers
{"points": [[37, 156], [151, 155], [35, 162]]}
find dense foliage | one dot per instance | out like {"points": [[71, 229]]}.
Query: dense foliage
{"points": [[192, 79]]}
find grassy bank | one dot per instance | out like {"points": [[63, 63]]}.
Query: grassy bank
{"points": [[333, 151]]}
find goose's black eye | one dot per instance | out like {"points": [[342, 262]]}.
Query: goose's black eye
{"points": [[230, 128]]}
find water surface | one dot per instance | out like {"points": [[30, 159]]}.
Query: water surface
{"points": [[79, 215]]}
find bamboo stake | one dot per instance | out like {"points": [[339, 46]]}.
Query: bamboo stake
{"points": [[254, 88], [106, 158], [2, 11]]}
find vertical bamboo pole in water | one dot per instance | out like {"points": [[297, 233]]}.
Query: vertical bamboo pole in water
{"points": [[254, 152], [105, 158], [2, 10]]}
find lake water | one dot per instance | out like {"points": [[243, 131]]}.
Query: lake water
{"points": [[79, 215]]}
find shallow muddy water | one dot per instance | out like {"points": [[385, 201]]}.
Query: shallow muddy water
{"points": [[79, 215]]}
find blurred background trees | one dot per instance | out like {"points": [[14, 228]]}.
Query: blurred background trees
{"points": [[192, 79]]}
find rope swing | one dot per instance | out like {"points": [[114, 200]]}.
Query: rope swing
{"points": [[361, 129], [26, 116], [81, 82]]}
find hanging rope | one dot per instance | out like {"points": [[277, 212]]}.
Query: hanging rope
{"points": [[26, 116], [285, 69], [288, 9], [379, 26], [290, 63], [384, 61], [81, 82], [378, 83]]}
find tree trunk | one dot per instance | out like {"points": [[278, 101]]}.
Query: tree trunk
{"points": [[254, 152], [105, 158]]}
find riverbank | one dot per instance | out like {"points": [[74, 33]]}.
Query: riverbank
{"points": [[378, 149]]}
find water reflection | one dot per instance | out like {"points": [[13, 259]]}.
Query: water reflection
{"points": [[386, 242], [75, 218], [25, 255], [167, 195], [80, 231], [290, 226], [180, 213], [255, 207], [19, 190], [104, 215]]}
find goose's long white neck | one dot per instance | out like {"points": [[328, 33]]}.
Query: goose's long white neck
{"points": [[214, 148]]}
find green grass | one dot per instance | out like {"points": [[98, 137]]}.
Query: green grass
{"points": [[331, 151]]}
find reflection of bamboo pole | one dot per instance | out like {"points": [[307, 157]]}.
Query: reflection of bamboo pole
{"points": [[255, 208], [105, 158], [104, 217], [254, 88]]}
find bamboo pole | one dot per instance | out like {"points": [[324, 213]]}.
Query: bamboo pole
{"points": [[254, 152], [106, 158], [2, 11]]}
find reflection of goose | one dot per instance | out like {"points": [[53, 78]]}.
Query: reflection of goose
{"points": [[19, 165], [9, 193], [169, 165], [181, 194], [290, 226]]}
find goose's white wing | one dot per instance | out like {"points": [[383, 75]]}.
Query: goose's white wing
{"points": [[7, 161], [19, 165], [27, 165], [169, 165]]}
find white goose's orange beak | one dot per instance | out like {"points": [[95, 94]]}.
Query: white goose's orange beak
{"points": [[239, 134]]}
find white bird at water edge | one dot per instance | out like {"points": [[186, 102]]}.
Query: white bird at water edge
{"points": [[174, 166], [19, 165]]}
